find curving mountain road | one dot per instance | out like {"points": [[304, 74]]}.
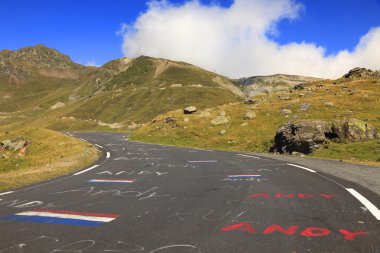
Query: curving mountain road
{"points": [[151, 198]]}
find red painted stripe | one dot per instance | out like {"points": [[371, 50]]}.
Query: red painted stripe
{"points": [[105, 215]]}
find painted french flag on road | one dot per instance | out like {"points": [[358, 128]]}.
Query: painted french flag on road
{"points": [[243, 176], [63, 217], [110, 181]]}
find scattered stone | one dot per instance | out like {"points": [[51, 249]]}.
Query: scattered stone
{"points": [[249, 115], [171, 121], [176, 85], [133, 125], [248, 101], [222, 113], [286, 111], [301, 95], [329, 104], [58, 105], [186, 119], [196, 85], [219, 120], [190, 110], [285, 97], [244, 124], [111, 125], [304, 107], [205, 114], [222, 132]]}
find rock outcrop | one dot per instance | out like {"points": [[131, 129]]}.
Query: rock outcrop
{"points": [[306, 136], [352, 130], [17, 144], [359, 73]]}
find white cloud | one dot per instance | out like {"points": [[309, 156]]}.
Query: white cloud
{"points": [[234, 41]]}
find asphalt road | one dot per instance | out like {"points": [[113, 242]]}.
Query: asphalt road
{"points": [[151, 198]]}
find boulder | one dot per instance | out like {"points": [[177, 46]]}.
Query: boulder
{"points": [[353, 130], [249, 115], [219, 120], [190, 110], [305, 136], [302, 136]]}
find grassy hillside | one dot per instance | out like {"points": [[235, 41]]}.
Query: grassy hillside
{"points": [[41, 87], [49, 155], [326, 100]]}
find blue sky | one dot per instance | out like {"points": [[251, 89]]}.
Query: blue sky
{"points": [[87, 30]]}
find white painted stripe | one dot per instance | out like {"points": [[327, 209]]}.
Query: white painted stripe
{"points": [[249, 156], [98, 146], [108, 155], [4, 193], [67, 216], [83, 171], [111, 180], [210, 161], [301, 167], [371, 207], [244, 175]]}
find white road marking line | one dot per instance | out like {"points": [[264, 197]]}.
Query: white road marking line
{"points": [[371, 207], [98, 146], [83, 171], [249, 156], [108, 155], [301, 167], [4, 193], [208, 161]]}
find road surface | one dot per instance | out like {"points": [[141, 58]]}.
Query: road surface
{"points": [[151, 198]]}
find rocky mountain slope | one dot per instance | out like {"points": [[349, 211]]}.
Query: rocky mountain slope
{"points": [[274, 83]]}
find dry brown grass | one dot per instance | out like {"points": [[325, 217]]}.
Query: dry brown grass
{"points": [[50, 155]]}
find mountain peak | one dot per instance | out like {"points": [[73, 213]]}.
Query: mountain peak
{"points": [[38, 56]]}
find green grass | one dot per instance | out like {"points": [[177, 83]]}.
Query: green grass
{"points": [[258, 135], [50, 154]]}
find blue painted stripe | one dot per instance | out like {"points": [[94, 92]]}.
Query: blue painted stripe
{"points": [[53, 220]]}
